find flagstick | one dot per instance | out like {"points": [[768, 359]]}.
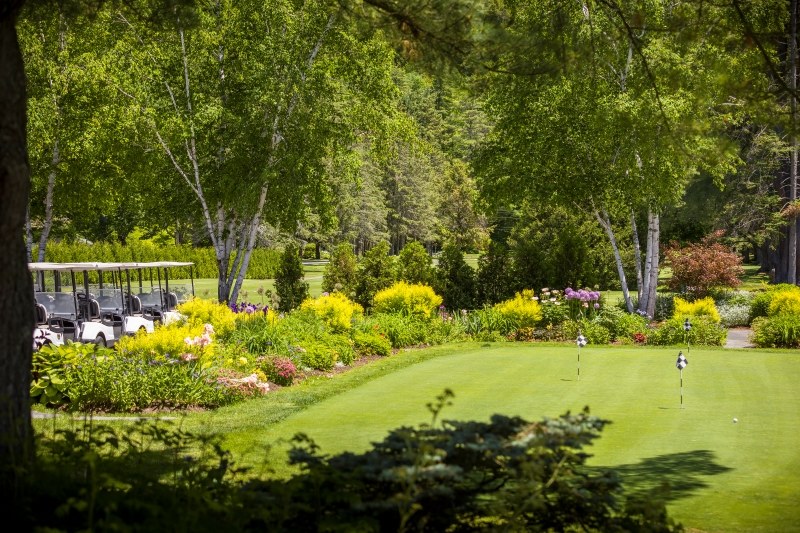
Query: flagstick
{"points": [[579, 363], [681, 388]]}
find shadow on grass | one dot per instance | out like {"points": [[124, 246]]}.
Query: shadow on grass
{"points": [[681, 473]]}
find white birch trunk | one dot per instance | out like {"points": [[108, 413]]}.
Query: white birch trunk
{"points": [[47, 225], [605, 222], [637, 256], [647, 304]]}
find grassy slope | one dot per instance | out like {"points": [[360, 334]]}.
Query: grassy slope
{"points": [[725, 476]]}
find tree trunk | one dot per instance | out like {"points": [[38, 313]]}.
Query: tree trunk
{"points": [[48, 204], [792, 75], [637, 256], [605, 222], [16, 299], [647, 303]]}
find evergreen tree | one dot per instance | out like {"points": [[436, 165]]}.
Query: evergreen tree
{"points": [[416, 265], [456, 282], [341, 272], [495, 278], [289, 284], [376, 271]]}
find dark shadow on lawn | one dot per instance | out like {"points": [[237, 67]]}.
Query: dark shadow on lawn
{"points": [[680, 473]]}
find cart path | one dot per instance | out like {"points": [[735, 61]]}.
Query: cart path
{"points": [[739, 338]]}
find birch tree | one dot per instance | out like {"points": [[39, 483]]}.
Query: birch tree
{"points": [[247, 104], [629, 111]]}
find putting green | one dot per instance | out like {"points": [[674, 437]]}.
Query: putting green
{"points": [[724, 476]]}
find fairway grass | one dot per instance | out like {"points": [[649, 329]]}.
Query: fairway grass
{"points": [[724, 476]]}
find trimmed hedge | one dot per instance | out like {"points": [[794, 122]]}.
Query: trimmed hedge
{"points": [[263, 262]]}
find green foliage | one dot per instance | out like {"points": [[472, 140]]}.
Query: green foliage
{"points": [[341, 272], [455, 279], [408, 299], [431, 477], [164, 342], [289, 284], [523, 311], [434, 478], [785, 303], [263, 264], [705, 332], [621, 324], [778, 331], [665, 305], [702, 307], [699, 268], [132, 384], [487, 324], [562, 247], [200, 312], [370, 343], [335, 309], [495, 279], [762, 301], [415, 265], [50, 364], [595, 332], [376, 271]]}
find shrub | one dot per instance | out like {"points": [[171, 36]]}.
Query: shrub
{"points": [[523, 311], [402, 330], [51, 362], [341, 272], [732, 315], [621, 324], [665, 305], [779, 331], [335, 309], [369, 343], [376, 271], [133, 384], [166, 342], [289, 284], [279, 370], [495, 278], [705, 331], [417, 300], [317, 355], [487, 321], [702, 307], [785, 303], [699, 268], [455, 279], [415, 265], [594, 332], [199, 312]]}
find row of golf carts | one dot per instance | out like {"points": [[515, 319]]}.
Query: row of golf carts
{"points": [[101, 302]]}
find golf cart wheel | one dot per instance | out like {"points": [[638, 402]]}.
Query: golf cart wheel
{"points": [[100, 340]]}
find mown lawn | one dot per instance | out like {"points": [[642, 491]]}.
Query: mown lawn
{"points": [[725, 476]]}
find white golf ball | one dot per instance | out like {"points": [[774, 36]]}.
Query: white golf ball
{"points": [[735, 420]]}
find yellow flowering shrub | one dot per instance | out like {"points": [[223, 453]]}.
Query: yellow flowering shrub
{"points": [[166, 342], [702, 307], [409, 299], [335, 309], [523, 311], [785, 303], [199, 311]]}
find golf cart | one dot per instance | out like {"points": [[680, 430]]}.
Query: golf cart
{"points": [[101, 313]]}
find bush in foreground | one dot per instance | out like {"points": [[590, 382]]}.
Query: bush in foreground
{"points": [[507, 474]]}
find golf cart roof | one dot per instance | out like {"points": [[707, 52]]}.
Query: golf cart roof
{"points": [[80, 267]]}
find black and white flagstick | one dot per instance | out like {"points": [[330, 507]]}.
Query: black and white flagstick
{"points": [[687, 327], [680, 364], [581, 342]]}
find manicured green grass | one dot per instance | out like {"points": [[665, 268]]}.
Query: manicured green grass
{"points": [[725, 476], [207, 287]]}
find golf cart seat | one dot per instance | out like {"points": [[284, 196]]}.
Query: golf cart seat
{"points": [[89, 307], [170, 301], [134, 304], [41, 314], [64, 326]]}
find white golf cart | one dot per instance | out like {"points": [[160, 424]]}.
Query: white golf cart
{"points": [[100, 312]]}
